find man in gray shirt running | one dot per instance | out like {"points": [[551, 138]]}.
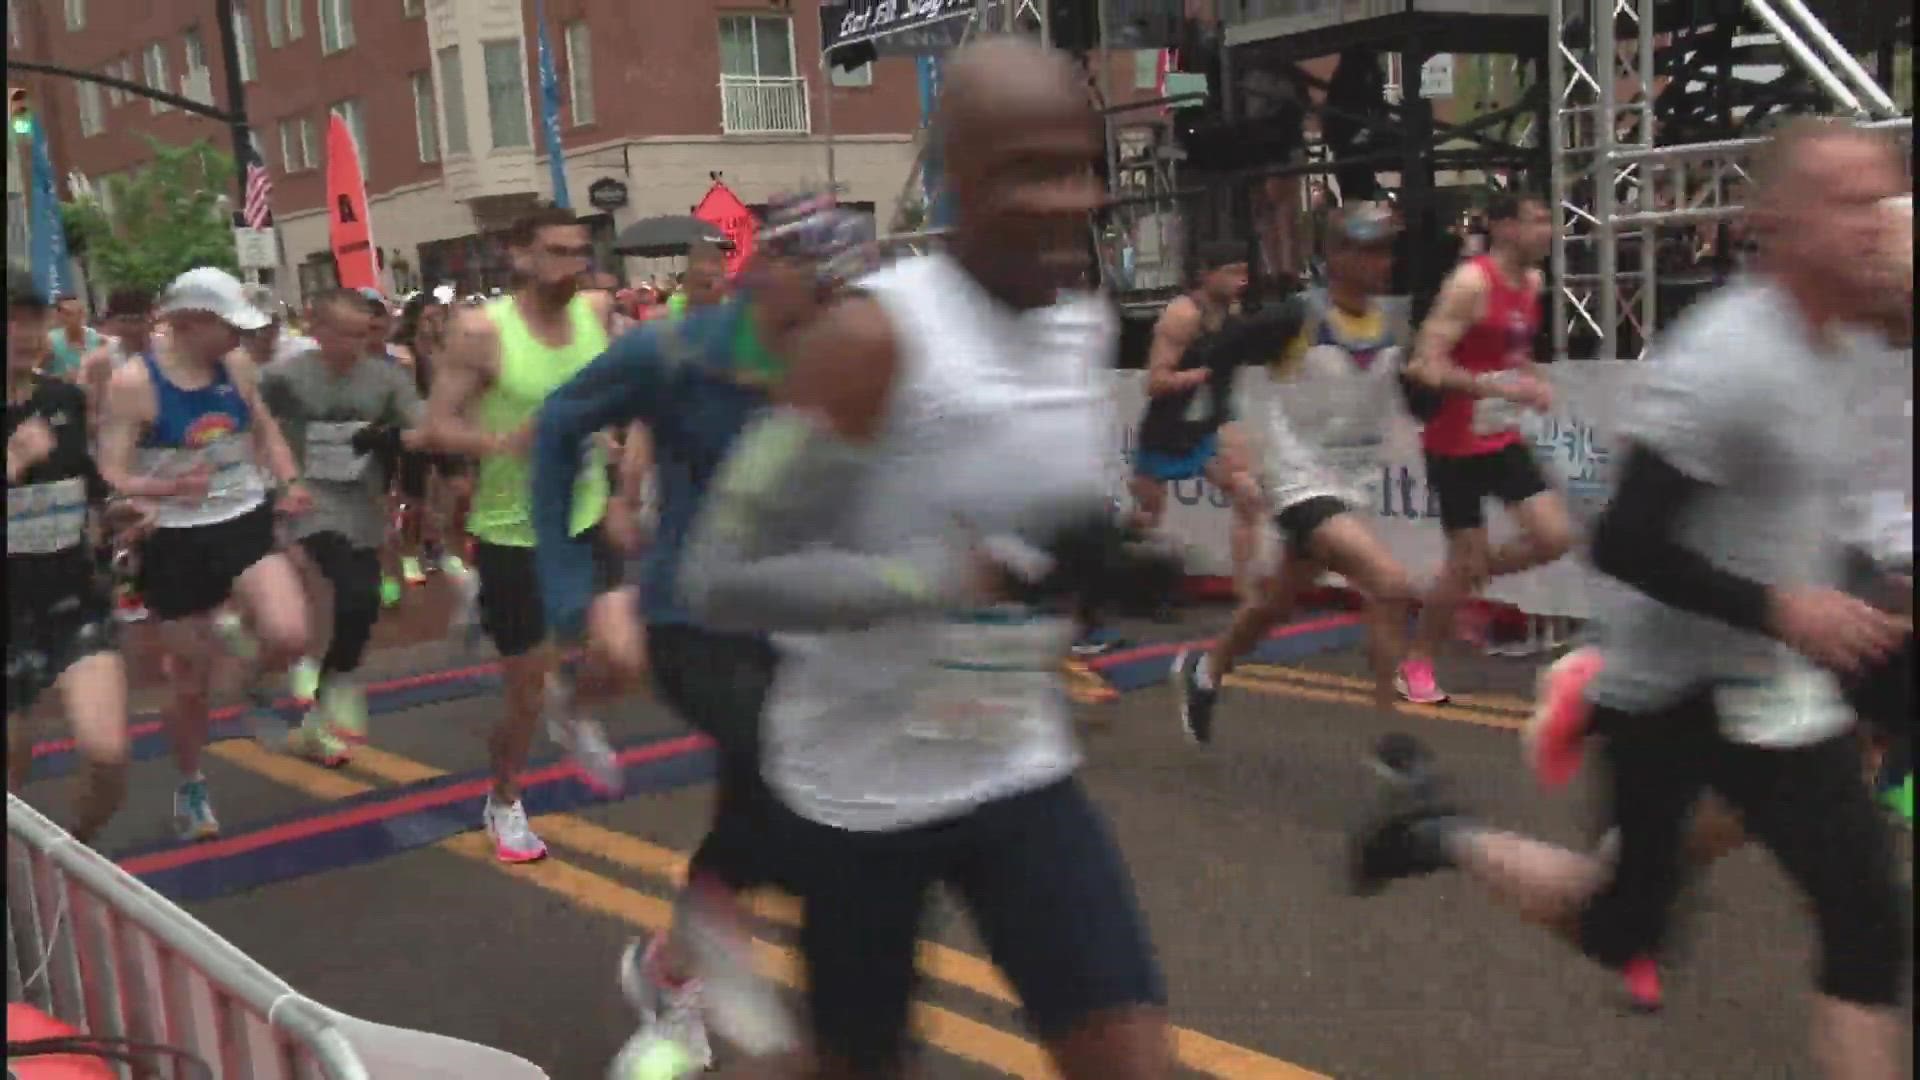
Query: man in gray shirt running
{"points": [[343, 412]]}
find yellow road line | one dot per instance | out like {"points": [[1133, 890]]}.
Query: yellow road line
{"points": [[947, 1030], [1284, 688], [1493, 702]]}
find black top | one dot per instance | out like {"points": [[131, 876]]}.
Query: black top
{"points": [[69, 571], [1177, 423]]}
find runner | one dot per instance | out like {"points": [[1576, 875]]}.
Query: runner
{"points": [[1476, 349], [128, 322], [1186, 431], [71, 338], [185, 428], [348, 414], [918, 729], [692, 385], [704, 283], [1729, 525], [60, 630], [1332, 396], [422, 481], [501, 362]]}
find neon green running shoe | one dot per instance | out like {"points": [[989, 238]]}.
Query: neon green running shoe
{"points": [[312, 740], [1899, 799], [410, 570], [390, 592], [303, 682], [344, 704], [647, 1056]]}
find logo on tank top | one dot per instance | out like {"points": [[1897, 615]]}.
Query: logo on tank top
{"points": [[209, 428], [1519, 336]]}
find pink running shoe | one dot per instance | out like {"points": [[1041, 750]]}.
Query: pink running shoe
{"points": [[1642, 979], [1415, 682], [1555, 737]]}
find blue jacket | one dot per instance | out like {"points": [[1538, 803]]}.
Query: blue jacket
{"points": [[679, 378]]}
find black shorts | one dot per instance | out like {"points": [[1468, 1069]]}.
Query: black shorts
{"points": [[1298, 522], [510, 591], [354, 572], [1038, 872], [191, 571], [416, 467], [1509, 474], [45, 638], [1807, 805]]}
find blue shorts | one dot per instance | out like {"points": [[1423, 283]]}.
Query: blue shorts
{"points": [[1169, 467]]}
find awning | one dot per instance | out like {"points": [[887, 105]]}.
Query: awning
{"points": [[894, 27]]}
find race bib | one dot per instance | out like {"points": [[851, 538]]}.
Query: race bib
{"points": [[1795, 704], [1495, 416], [46, 518], [330, 453], [994, 677]]}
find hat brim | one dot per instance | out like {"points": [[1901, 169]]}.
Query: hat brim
{"points": [[245, 318]]}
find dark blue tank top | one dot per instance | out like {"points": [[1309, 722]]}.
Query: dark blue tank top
{"points": [[194, 419]]}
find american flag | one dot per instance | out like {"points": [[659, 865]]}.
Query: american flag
{"points": [[258, 213]]}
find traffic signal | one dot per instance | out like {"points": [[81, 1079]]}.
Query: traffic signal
{"points": [[21, 113]]}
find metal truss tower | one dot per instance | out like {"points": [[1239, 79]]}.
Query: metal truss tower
{"points": [[1614, 69]]}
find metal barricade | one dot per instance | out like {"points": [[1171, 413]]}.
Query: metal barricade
{"points": [[92, 946]]}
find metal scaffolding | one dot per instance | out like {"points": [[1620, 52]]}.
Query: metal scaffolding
{"points": [[1615, 187]]}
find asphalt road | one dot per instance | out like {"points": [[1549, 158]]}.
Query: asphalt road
{"points": [[1235, 851]]}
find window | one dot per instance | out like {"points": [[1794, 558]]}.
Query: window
{"points": [[759, 92], [276, 23], [296, 24], [116, 97], [453, 93], [155, 65], [579, 71], [506, 94], [13, 24], [309, 145], [92, 118], [413, 9], [860, 76], [196, 49], [107, 191], [243, 44], [1146, 69], [349, 110], [296, 144], [76, 14], [336, 25], [426, 119]]}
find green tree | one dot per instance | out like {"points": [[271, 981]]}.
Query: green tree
{"points": [[166, 218]]}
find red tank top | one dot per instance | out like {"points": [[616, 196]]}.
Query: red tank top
{"points": [[1502, 339]]}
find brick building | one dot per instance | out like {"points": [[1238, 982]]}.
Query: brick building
{"points": [[443, 97]]}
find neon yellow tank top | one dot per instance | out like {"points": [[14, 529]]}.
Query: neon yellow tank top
{"points": [[529, 371]]}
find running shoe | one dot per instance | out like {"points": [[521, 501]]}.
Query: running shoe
{"points": [[193, 811], [1415, 682], [741, 1006], [128, 607], [1196, 701], [1385, 848], [410, 571], [584, 740], [513, 837], [670, 1013], [390, 592], [344, 705], [303, 681], [648, 1056], [234, 636], [1898, 799], [1641, 977], [1554, 740], [313, 741], [1096, 643]]}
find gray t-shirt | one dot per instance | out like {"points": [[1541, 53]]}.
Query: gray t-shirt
{"points": [[1743, 397], [320, 411]]}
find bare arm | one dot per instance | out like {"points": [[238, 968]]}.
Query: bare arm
{"points": [[1177, 329], [465, 370], [125, 412], [1461, 303], [636, 461]]}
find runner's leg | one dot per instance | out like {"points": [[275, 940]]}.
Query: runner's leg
{"points": [[1229, 470], [93, 691], [1349, 549]]}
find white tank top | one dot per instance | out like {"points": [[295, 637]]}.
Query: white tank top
{"points": [[1001, 420], [1328, 412]]}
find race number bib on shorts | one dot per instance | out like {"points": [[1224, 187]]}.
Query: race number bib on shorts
{"points": [[46, 518], [330, 453], [1794, 704], [994, 677]]}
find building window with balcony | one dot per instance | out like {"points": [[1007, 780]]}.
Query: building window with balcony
{"points": [[76, 14], [760, 93], [349, 110], [507, 94], [92, 116], [426, 123], [154, 63], [579, 72], [336, 25], [453, 92], [243, 42]]}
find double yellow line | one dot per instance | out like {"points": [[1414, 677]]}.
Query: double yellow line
{"points": [[949, 1031], [1502, 711]]}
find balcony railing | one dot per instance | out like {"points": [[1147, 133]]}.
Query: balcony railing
{"points": [[759, 105]]}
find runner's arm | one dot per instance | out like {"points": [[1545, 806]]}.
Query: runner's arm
{"points": [[759, 557], [124, 413], [267, 436], [636, 461], [1177, 329], [461, 374], [1461, 303], [630, 381]]}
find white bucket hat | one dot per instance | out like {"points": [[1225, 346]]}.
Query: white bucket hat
{"points": [[215, 291]]}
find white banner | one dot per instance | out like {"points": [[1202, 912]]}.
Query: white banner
{"points": [[1574, 444]]}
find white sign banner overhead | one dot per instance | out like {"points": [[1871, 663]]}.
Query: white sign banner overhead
{"points": [[1574, 445], [854, 21]]}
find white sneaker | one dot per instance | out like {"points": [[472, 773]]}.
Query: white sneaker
{"points": [[584, 739], [670, 1014], [650, 1056], [513, 837], [743, 1006]]}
